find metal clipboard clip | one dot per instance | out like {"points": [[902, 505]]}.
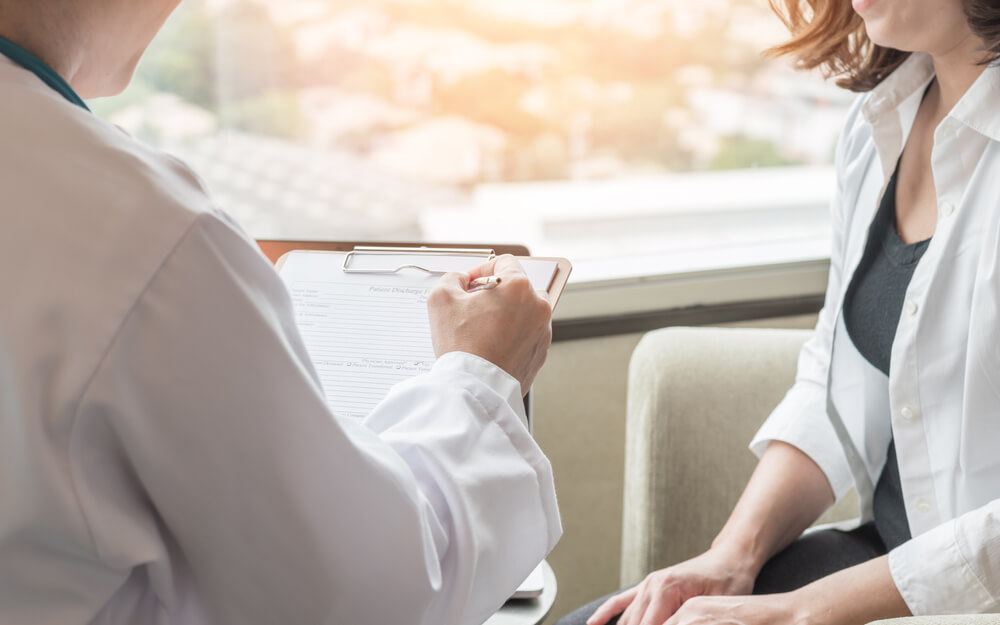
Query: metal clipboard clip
{"points": [[485, 254]]}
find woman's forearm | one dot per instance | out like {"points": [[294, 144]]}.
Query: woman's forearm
{"points": [[860, 594], [785, 495]]}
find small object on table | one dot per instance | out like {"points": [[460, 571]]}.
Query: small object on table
{"points": [[529, 611]]}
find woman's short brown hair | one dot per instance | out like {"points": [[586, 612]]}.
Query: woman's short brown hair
{"points": [[828, 34]]}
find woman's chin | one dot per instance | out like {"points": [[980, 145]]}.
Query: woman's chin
{"points": [[883, 37]]}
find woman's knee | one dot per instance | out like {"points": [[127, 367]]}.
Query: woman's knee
{"points": [[580, 615]]}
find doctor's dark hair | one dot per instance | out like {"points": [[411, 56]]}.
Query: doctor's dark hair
{"points": [[828, 34]]}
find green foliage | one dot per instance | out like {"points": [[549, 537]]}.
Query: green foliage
{"points": [[136, 93], [636, 129], [276, 114], [255, 56], [182, 59], [237, 64], [740, 151]]}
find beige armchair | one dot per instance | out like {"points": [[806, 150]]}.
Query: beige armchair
{"points": [[695, 398]]}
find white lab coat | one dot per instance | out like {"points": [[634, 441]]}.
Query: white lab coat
{"points": [[169, 458], [941, 401]]}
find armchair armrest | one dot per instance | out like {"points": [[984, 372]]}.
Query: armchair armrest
{"points": [[696, 396]]}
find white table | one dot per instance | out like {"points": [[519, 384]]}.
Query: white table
{"points": [[528, 611]]}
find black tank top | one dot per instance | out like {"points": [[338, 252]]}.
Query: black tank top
{"points": [[872, 308]]}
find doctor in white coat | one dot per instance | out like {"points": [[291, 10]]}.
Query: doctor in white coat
{"points": [[166, 455]]}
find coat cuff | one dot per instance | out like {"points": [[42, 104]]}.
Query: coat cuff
{"points": [[501, 382]]}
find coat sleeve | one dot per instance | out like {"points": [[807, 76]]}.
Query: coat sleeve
{"points": [[801, 418], [431, 511]]}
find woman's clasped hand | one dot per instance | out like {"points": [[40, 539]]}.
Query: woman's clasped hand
{"points": [[706, 588], [738, 610]]}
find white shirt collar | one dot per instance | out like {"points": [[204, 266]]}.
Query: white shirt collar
{"points": [[976, 109], [885, 99]]}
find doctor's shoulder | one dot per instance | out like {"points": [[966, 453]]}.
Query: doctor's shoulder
{"points": [[91, 205], [86, 169]]}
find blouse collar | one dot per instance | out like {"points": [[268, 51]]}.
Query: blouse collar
{"points": [[976, 109]]}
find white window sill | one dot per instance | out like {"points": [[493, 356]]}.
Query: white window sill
{"points": [[655, 282], [665, 242]]}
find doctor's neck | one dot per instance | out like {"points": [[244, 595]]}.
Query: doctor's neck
{"points": [[53, 31]]}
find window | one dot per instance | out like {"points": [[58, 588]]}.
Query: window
{"points": [[630, 135]]}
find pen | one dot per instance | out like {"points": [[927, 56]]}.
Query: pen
{"points": [[486, 282]]}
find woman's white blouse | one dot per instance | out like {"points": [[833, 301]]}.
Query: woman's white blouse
{"points": [[942, 401], [166, 454]]}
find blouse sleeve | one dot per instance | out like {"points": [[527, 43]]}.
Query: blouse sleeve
{"points": [[801, 418], [953, 568]]}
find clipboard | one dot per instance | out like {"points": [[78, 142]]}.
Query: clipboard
{"points": [[367, 330], [384, 258]]}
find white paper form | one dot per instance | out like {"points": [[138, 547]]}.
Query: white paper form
{"points": [[365, 332]]}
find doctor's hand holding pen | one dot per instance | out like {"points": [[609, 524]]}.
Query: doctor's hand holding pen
{"points": [[493, 312]]}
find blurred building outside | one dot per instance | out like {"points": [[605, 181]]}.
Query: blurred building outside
{"points": [[554, 123]]}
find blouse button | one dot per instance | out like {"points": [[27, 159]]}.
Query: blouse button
{"points": [[924, 506], [908, 413], [911, 307], [947, 208]]}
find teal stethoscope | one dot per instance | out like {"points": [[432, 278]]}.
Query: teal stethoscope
{"points": [[38, 67]]}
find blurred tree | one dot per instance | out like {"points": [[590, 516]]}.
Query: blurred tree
{"points": [[740, 151], [277, 114], [182, 58], [258, 63], [636, 130], [236, 63], [234, 60], [255, 55]]}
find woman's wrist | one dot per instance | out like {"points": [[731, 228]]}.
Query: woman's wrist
{"points": [[742, 554], [859, 594], [804, 608], [740, 558]]}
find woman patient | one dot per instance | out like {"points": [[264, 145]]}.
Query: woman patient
{"points": [[898, 392]]}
